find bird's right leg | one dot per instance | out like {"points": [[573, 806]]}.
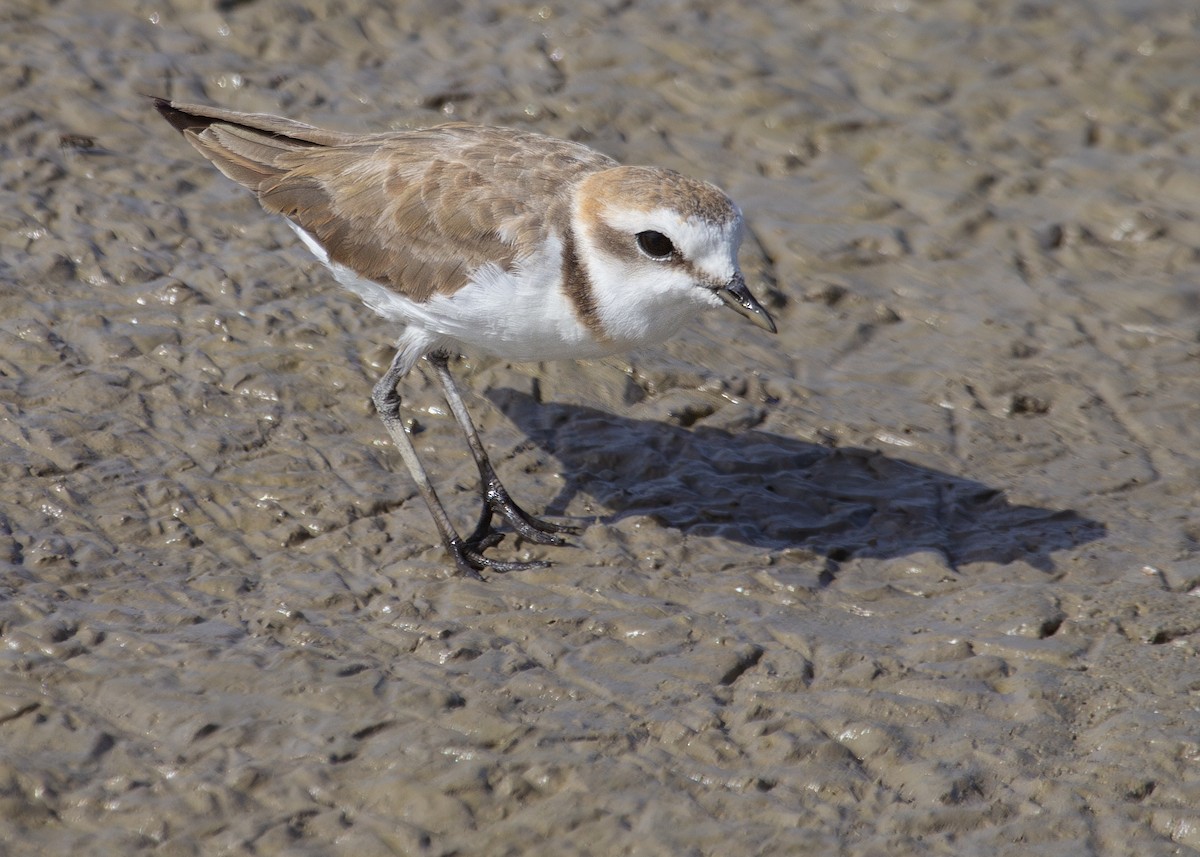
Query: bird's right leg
{"points": [[496, 499], [468, 559]]}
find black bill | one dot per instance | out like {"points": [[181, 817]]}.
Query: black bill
{"points": [[738, 297]]}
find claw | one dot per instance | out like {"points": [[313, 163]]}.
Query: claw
{"points": [[485, 541], [470, 562]]}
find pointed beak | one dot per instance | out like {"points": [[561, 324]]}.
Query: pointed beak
{"points": [[739, 299]]}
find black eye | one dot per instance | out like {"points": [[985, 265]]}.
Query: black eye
{"points": [[655, 244]]}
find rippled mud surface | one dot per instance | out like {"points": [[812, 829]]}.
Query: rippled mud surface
{"points": [[919, 575]]}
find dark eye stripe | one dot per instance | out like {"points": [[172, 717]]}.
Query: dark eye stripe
{"points": [[655, 244]]}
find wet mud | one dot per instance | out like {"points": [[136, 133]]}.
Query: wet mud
{"points": [[918, 575]]}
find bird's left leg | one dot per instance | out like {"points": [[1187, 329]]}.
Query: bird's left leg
{"points": [[496, 499]]}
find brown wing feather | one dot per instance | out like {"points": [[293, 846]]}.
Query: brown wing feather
{"points": [[416, 211], [247, 168]]}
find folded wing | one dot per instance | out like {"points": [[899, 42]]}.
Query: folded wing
{"points": [[416, 211]]}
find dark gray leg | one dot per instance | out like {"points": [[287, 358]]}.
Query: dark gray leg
{"points": [[496, 499], [467, 557]]}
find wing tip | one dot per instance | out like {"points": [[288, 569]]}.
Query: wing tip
{"points": [[181, 119]]}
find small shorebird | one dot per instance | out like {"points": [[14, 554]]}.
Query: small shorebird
{"points": [[489, 240]]}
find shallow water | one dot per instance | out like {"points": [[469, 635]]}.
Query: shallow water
{"points": [[916, 576]]}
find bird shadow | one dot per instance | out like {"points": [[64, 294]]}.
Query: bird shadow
{"points": [[773, 492]]}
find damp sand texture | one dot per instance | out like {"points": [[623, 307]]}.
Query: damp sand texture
{"points": [[917, 576]]}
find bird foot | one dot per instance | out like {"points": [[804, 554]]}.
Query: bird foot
{"points": [[470, 561], [496, 501]]}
